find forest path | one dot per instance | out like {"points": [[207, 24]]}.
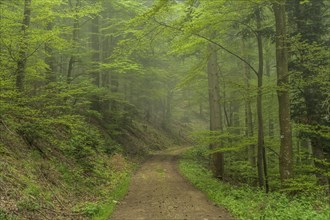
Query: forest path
{"points": [[158, 191]]}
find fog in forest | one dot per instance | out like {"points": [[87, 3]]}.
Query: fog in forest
{"points": [[96, 93]]}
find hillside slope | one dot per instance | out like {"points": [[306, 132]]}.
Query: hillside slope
{"points": [[68, 173]]}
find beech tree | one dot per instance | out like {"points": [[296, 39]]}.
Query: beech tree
{"points": [[215, 109], [286, 151]]}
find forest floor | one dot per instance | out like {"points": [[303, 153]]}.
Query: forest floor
{"points": [[158, 191]]}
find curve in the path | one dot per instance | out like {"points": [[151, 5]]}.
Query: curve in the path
{"points": [[158, 191]]}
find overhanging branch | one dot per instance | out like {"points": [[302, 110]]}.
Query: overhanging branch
{"points": [[211, 41]]}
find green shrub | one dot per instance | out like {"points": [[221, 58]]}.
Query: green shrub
{"points": [[88, 209], [245, 202]]}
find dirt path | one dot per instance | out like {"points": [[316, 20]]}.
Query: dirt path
{"points": [[158, 191]]}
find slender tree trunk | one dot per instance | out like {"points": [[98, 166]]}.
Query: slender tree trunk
{"points": [[75, 38], [22, 59], [261, 159], [225, 109], [169, 98], [248, 111], [270, 106], [249, 133], [114, 85], [106, 51], [286, 152], [95, 43], [97, 104], [235, 117], [217, 159], [50, 60], [105, 55]]}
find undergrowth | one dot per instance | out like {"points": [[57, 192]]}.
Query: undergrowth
{"points": [[73, 172], [107, 208], [61, 160], [246, 202]]}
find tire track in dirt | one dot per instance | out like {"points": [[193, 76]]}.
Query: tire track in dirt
{"points": [[158, 191]]}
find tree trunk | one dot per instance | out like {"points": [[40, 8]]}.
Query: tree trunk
{"points": [[114, 86], [201, 108], [225, 109], [270, 106], [50, 60], [22, 57], [75, 38], [97, 104], [95, 43], [249, 133], [235, 117], [286, 152], [248, 111], [169, 99], [261, 159], [217, 161], [106, 52]]}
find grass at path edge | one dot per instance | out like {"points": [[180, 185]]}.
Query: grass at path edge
{"points": [[116, 195], [245, 202]]}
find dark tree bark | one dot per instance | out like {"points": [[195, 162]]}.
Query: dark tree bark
{"points": [[22, 58], [286, 152]]}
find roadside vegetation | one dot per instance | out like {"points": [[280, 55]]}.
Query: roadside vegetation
{"points": [[77, 171], [246, 202]]}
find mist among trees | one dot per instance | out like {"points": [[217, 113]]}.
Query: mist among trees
{"points": [[89, 87]]}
